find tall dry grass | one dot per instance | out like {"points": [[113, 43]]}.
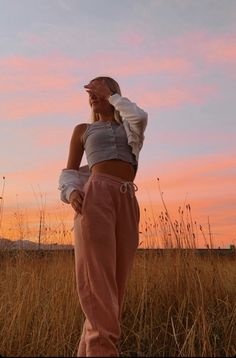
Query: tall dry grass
{"points": [[178, 304]]}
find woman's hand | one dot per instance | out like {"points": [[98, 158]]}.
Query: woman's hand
{"points": [[99, 88], [76, 200]]}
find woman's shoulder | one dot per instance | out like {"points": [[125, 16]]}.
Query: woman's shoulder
{"points": [[81, 126], [79, 130]]}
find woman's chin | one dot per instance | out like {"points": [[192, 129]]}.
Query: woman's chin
{"points": [[95, 109]]}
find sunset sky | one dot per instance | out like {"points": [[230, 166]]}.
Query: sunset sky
{"points": [[175, 58]]}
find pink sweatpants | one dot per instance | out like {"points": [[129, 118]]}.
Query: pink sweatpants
{"points": [[106, 239]]}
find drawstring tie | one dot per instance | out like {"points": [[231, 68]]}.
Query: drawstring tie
{"points": [[128, 185]]}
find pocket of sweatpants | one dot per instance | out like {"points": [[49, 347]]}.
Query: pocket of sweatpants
{"points": [[85, 190]]}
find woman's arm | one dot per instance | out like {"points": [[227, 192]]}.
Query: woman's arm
{"points": [[70, 179], [76, 150], [128, 110]]}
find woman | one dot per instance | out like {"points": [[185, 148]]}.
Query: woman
{"points": [[107, 215]]}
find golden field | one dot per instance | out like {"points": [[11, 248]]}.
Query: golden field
{"points": [[177, 304]]}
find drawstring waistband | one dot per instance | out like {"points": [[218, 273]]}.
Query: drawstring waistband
{"points": [[128, 185], [124, 185]]}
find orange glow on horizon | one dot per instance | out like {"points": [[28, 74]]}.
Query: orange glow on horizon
{"points": [[25, 223]]}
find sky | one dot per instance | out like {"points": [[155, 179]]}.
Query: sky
{"points": [[176, 59]]}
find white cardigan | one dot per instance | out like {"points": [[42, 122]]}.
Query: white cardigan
{"points": [[134, 121]]}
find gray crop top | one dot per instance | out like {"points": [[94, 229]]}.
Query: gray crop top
{"points": [[107, 140]]}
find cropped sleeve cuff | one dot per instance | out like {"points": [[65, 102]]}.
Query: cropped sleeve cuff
{"points": [[71, 180]]}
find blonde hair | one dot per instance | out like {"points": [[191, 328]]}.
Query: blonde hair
{"points": [[115, 88]]}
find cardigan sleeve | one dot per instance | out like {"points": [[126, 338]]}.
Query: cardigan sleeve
{"points": [[135, 116], [70, 180]]}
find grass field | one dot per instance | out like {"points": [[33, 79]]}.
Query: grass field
{"points": [[176, 305]]}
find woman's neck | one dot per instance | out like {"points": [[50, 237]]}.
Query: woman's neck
{"points": [[104, 117]]}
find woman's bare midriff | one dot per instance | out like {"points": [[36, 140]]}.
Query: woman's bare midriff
{"points": [[115, 167]]}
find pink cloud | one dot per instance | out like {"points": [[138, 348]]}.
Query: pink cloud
{"points": [[147, 65], [37, 86], [40, 64], [40, 173], [18, 108], [52, 136], [45, 175], [207, 181], [208, 171], [220, 49], [20, 74], [34, 40], [174, 97], [191, 137], [42, 177], [34, 85], [132, 38], [181, 54], [10, 83], [50, 72]]}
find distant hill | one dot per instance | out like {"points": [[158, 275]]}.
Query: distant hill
{"points": [[6, 244]]}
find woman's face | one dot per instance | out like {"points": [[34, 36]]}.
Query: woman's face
{"points": [[95, 102], [98, 104]]}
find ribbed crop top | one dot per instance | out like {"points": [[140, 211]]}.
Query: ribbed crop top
{"points": [[104, 140]]}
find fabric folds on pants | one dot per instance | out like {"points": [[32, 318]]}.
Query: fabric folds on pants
{"points": [[106, 239]]}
